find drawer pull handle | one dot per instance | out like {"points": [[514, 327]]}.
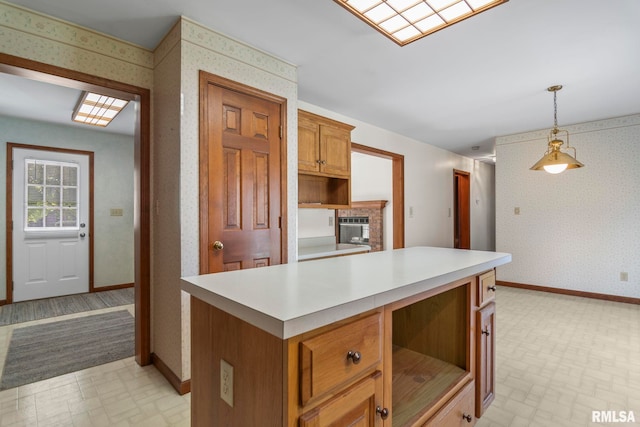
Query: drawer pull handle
{"points": [[384, 412], [492, 288], [467, 417], [354, 356], [486, 332]]}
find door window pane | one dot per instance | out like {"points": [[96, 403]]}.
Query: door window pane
{"points": [[35, 173], [52, 197], [70, 176], [35, 195], [69, 197], [52, 174]]}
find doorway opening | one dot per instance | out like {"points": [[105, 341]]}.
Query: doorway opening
{"points": [[141, 178], [397, 161]]}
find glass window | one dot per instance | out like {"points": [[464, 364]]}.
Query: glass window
{"points": [[51, 190]]}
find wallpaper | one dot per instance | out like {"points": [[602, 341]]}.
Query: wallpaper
{"points": [[30, 35], [577, 230], [186, 49]]}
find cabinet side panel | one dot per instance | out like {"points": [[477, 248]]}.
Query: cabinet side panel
{"points": [[202, 375], [257, 360]]}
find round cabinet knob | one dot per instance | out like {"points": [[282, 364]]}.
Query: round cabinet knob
{"points": [[492, 288], [467, 417], [217, 245], [354, 356], [383, 412]]}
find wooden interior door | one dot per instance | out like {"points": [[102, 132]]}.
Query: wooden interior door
{"points": [[462, 214], [240, 180]]}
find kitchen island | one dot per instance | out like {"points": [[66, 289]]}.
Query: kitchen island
{"points": [[390, 336]]}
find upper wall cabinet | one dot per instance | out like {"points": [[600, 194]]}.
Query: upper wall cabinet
{"points": [[324, 145], [324, 161]]}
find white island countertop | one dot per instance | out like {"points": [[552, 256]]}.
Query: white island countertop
{"points": [[289, 299]]}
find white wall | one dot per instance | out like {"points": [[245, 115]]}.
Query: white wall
{"points": [[316, 223], [113, 188], [429, 185], [577, 230]]}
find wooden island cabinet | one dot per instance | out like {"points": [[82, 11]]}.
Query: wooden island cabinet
{"points": [[408, 352]]}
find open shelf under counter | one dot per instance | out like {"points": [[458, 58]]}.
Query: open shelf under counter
{"points": [[419, 381]]}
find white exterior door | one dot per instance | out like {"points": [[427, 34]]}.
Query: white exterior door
{"points": [[50, 223]]}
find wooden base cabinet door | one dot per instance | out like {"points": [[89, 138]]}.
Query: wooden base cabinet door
{"points": [[356, 406], [485, 357]]}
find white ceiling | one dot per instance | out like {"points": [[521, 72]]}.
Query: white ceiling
{"points": [[47, 102], [458, 88]]}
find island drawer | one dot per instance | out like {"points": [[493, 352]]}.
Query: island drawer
{"points": [[457, 412], [336, 357], [486, 287]]}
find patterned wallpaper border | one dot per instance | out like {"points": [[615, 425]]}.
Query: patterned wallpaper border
{"points": [[209, 39], [41, 38], [598, 125]]}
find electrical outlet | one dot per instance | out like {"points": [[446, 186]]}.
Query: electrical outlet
{"points": [[624, 276], [226, 382], [330, 221]]}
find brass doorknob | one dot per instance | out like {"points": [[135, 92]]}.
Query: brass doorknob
{"points": [[217, 245]]}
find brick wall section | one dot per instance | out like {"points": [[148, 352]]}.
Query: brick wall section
{"points": [[373, 210]]}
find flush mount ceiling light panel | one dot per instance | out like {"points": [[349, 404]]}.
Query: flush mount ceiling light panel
{"points": [[405, 21], [97, 110]]}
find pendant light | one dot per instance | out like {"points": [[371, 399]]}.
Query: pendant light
{"points": [[554, 160]]}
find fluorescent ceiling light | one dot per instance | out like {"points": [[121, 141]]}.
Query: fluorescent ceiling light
{"points": [[98, 110], [405, 21]]}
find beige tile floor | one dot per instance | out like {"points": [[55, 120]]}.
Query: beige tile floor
{"points": [[558, 359], [120, 393]]}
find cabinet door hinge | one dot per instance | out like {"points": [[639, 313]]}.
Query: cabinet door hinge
{"points": [[279, 222], [281, 132]]}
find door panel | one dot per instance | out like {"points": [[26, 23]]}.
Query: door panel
{"points": [[51, 231], [241, 140], [462, 210]]}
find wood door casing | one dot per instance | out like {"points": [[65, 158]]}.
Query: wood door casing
{"points": [[142, 177], [240, 177]]}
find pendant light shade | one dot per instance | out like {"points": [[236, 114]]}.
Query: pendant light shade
{"points": [[554, 159]]}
